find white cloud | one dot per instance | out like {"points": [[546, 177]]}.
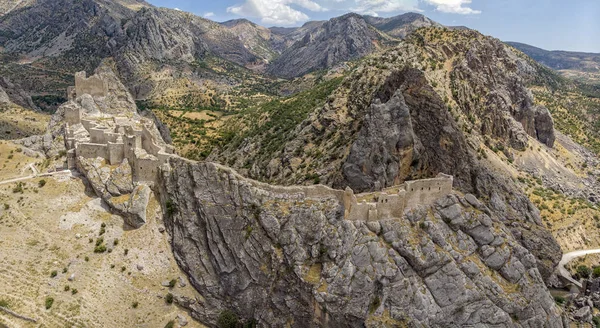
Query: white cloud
{"points": [[453, 6], [374, 7], [209, 15], [277, 12], [292, 12]]}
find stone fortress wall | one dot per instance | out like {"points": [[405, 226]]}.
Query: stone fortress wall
{"points": [[93, 85], [389, 203], [113, 138], [135, 139]]}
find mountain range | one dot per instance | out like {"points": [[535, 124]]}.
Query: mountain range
{"points": [[260, 118]]}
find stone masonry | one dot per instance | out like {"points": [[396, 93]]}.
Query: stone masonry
{"points": [[131, 140]]}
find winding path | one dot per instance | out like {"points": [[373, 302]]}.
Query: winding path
{"points": [[35, 174], [568, 257]]}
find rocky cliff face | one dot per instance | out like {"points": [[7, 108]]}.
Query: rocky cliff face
{"points": [[10, 92], [340, 39], [401, 26], [279, 257], [397, 118]]}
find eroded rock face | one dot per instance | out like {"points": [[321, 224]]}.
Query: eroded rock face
{"points": [[14, 93], [282, 258], [386, 140], [488, 84], [115, 187]]}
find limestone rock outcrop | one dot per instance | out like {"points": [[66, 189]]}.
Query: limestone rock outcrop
{"points": [[340, 39], [115, 187], [282, 258]]}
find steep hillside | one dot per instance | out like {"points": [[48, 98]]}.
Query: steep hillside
{"points": [[578, 65], [402, 25], [338, 40]]}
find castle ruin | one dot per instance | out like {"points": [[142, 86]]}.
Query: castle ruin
{"points": [[113, 138], [92, 134]]}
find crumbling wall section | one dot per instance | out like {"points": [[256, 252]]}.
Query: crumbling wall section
{"points": [[94, 85], [90, 150]]}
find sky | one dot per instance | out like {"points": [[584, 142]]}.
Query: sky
{"points": [[572, 25]]}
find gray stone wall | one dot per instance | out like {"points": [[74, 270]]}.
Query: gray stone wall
{"points": [[93, 85]]}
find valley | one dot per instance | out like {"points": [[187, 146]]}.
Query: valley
{"points": [[355, 171]]}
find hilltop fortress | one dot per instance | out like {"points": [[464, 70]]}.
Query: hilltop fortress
{"points": [[122, 153]]}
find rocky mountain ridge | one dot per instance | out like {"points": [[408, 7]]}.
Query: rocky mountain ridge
{"points": [[63, 37]]}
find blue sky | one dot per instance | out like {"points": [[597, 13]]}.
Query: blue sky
{"points": [[549, 24]]}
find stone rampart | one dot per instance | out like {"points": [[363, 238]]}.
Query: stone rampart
{"points": [[427, 191], [90, 150], [94, 85], [388, 204], [116, 153]]}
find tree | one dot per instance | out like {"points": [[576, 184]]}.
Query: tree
{"points": [[583, 271]]}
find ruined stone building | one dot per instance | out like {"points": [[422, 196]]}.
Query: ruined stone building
{"points": [[94, 134], [123, 136]]}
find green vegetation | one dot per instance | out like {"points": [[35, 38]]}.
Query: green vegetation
{"points": [[170, 207], [584, 271], [135, 305], [170, 324], [42, 183], [275, 120], [172, 283], [375, 303], [4, 303], [559, 300], [596, 272], [49, 301], [53, 274], [227, 319], [169, 298], [18, 188]]}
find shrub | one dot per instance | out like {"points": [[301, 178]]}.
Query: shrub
{"points": [[49, 302], [100, 249], [65, 270], [67, 288], [4, 304], [596, 321], [170, 324], [74, 291], [53, 274], [170, 207], [42, 183], [169, 298], [584, 271], [87, 259], [596, 272], [559, 300], [116, 242], [18, 188], [172, 283], [135, 305], [6, 207], [375, 303], [227, 319]]}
